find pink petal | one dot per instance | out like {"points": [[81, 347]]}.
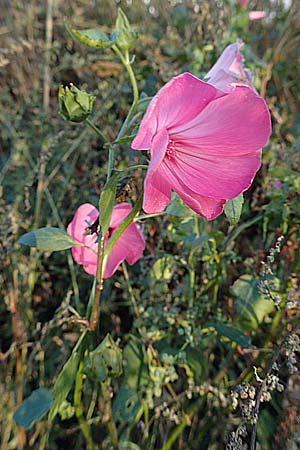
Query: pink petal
{"points": [[179, 101], [85, 216], [157, 193], [130, 245], [115, 258], [226, 60], [257, 15], [243, 3], [134, 241], [119, 213], [229, 69], [210, 176], [207, 207], [91, 269], [235, 124]]}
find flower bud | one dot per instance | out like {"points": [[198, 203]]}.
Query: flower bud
{"points": [[75, 105], [126, 36]]}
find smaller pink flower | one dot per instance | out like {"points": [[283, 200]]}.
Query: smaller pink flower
{"points": [[130, 245], [243, 3], [277, 185], [229, 70], [257, 15]]}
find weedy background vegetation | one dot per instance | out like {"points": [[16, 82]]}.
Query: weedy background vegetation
{"points": [[212, 309]]}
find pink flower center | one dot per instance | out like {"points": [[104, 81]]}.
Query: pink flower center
{"points": [[171, 149]]}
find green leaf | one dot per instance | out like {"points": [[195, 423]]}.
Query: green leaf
{"points": [[177, 208], [107, 201], [125, 139], [127, 445], [127, 404], [92, 37], [250, 306], [64, 383], [234, 335], [197, 361], [105, 361], [33, 408], [162, 269], [233, 209], [48, 239], [94, 367], [126, 36]]}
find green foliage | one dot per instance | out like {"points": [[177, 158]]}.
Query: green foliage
{"points": [[192, 319], [64, 383], [92, 38], [48, 239], [107, 201], [233, 209], [234, 335], [250, 306], [33, 408], [126, 36], [105, 361]]}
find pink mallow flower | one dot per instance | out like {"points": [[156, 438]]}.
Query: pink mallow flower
{"points": [[130, 245], [257, 15], [229, 70], [253, 15], [204, 144]]}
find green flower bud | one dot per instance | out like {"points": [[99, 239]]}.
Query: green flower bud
{"points": [[126, 36], [75, 105]]}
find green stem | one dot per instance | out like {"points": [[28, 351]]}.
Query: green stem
{"points": [[148, 216], [132, 111], [175, 434], [97, 130], [237, 231], [78, 408], [108, 413], [99, 286], [137, 166], [111, 159]]}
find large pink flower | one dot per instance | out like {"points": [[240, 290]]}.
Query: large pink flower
{"points": [[130, 245], [229, 70], [205, 144]]}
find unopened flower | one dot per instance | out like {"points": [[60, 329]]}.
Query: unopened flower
{"points": [[229, 70], [74, 104], [204, 144], [130, 245]]}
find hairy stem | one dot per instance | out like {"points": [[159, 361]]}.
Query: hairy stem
{"points": [[79, 411], [99, 286], [108, 414], [97, 130]]}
